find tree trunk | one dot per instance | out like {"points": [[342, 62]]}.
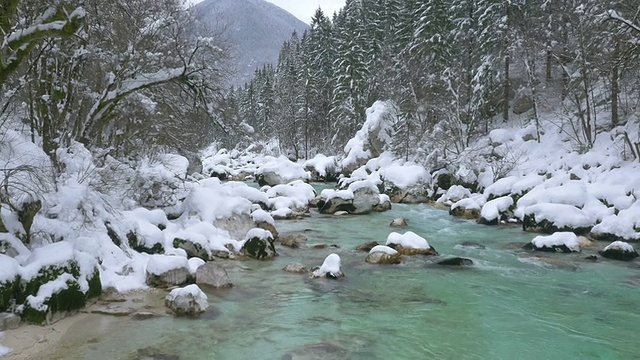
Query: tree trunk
{"points": [[615, 75]]}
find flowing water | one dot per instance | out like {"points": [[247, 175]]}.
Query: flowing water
{"points": [[506, 306]]}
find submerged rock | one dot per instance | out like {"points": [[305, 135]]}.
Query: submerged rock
{"points": [[319, 351], [367, 246], [456, 261], [295, 268], [398, 222], [619, 250], [189, 300], [294, 241], [213, 275], [472, 245]]}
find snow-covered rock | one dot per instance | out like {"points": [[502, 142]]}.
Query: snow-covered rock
{"points": [[280, 171], [410, 243], [259, 245], [323, 168], [557, 242], [213, 275], [330, 268], [496, 210], [466, 208], [382, 254], [398, 222], [165, 271], [551, 218], [189, 300], [619, 250]]}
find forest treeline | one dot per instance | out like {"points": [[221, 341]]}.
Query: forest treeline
{"points": [[453, 69]]}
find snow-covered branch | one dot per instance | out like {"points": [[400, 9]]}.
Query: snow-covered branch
{"points": [[614, 15]]}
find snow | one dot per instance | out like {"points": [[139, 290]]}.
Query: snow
{"points": [[560, 215], [330, 265], [261, 216], [194, 264], [409, 240], [207, 203], [9, 268], [322, 164], [469, 204], [329, 194], [454, 194], [493, 208], [161, 264], [46, 290], [405, 175], [258, 233], [569, 239], [620, 245], [285, 169], [378, 125], [4, 350], [383, 248]]}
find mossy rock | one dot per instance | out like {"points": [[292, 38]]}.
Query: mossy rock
{"points": [[192, 249], [545, 226], [132, 237], [260, 249], [66, 300]]}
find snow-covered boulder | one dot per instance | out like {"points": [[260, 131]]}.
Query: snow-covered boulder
{"points": [[213, 275], [330, 268], [406, 182], [454, 194], [365, 197], [166, 271], [57, 279], [332, 201], [466, 208], [550, 218], [384, 204], [259, 245], [625, 226], [619, 250], [410, 243], [289, 201], [323, 168], [189, 300], [566, 242], [280, 171], [382, 254], [496, 210]]}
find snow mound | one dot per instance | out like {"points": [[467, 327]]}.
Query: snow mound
{"points": [[408, 240], [383, 248], [568, 239]]}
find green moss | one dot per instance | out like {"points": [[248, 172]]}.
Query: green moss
{"points": [[259, 249], [8, 292], [69, 299], [135, 245], [95, 285]]}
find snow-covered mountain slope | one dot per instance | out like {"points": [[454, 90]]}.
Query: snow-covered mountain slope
{"points": [[256, 30]]}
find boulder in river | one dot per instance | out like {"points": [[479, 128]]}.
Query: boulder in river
{"points": [[619, 250], [259, 245], [410, 243], [213, 275], [384, 255], [294, 241], [330, 268], [189, 300], [398, 222], [566, 242], [367, 246], [456, 261], [166, 271]]}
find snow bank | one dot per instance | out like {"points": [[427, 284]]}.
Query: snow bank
{"points": [[281, 170], [404, 175]]}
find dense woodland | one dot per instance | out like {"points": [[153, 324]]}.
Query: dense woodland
{"points": [[126, 78], [454, 69]]}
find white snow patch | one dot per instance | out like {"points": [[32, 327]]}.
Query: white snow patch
{"points": [[383, 248], [408, 240], [569, 239]]}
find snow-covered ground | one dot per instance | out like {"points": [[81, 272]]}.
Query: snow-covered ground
{"points": [[126, 221]]}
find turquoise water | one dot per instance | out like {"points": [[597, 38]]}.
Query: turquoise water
{"points": [[506, 306]]}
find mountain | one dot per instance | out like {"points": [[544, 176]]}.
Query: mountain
{"points": [[255, 29]]}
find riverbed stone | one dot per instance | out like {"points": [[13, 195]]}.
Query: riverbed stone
{"points": [[9, 321], [367, 246], [398, 222], [294, 241], [472, 245], [295, 268], [383, 258], [213, 275], [325, 350], [189, 301]]}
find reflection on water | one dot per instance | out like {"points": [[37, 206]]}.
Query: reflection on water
{"points": [[503, 307]]}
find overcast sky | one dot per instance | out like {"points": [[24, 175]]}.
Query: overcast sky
{"points": [[304, 9]]}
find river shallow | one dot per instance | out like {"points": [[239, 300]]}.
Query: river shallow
{"points": [[506, 306]]}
